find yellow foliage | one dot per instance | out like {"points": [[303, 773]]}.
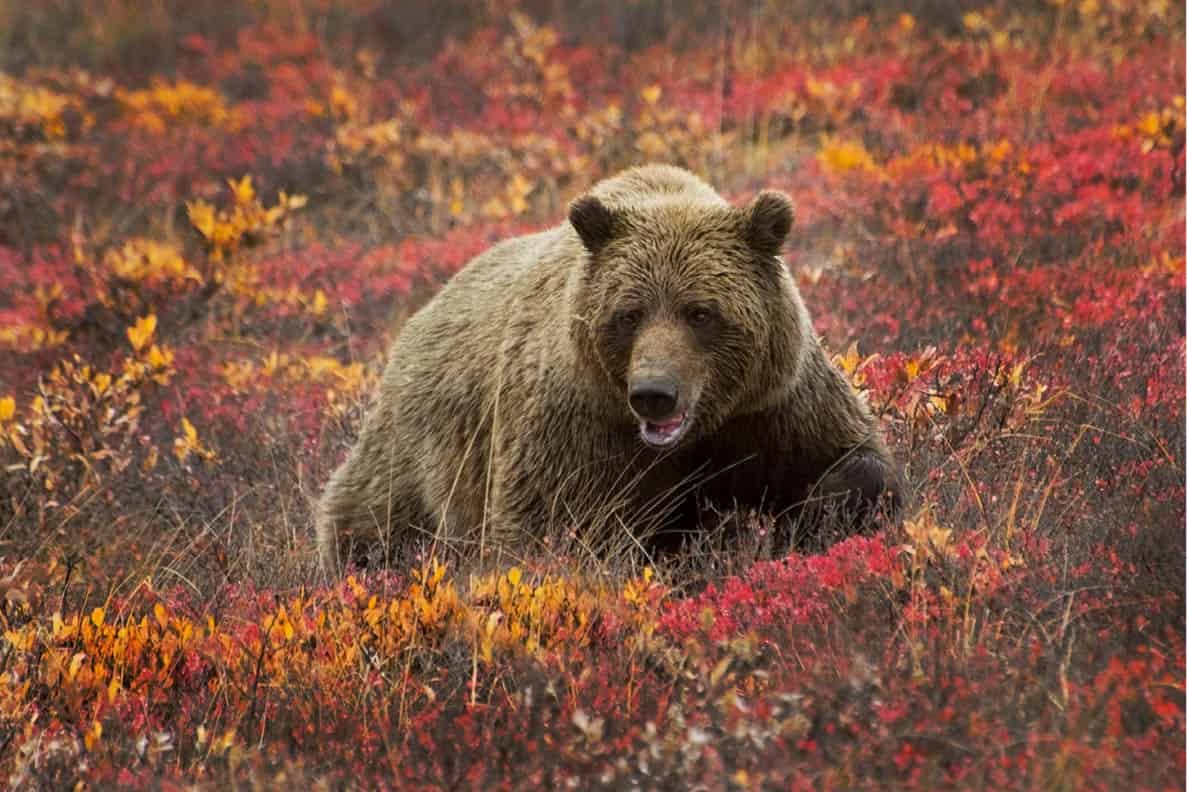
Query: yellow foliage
{"points": [[188, 443], [83, 416], [158, 358], [243, 190], [635, 591], [512, 201], [991, 156], [829, 92], [1157, 128], [976, 22], [457, 193], [651, 144], [509, 612], [384, 138], [32, 107], [27, 337], [846, 156], [997, 152], [852, 364], [346, 378], [90, 658], [140, 259], [91, 738], [927, 537], [202, 217], [343, 103], [226, 230], [164, 104], [319, 304], [141, 333]]}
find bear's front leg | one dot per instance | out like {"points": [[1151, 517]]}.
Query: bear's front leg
{"points": [[860, 484]]}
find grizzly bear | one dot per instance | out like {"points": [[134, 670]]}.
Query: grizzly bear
{"points": [[651, 352]]}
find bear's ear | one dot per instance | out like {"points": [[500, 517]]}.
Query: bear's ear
{"points": [[768, 220], [593, 222]]}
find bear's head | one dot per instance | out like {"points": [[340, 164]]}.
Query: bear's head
{"points": [[686, 310]]}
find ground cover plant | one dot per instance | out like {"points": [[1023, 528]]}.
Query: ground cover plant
{"points": [[213, 220]]}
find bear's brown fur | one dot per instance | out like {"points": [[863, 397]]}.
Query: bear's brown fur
{"points": [[651, 349]]}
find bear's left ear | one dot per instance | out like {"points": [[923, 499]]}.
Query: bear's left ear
{"points": [[768, 220], [593, 222]]}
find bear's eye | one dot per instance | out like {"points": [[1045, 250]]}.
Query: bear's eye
{"points": [[699, 315], [629, 320]]}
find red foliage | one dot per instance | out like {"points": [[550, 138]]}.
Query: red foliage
{"points": [[989, 233]]}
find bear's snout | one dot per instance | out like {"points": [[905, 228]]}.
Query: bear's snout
{"points": [[654, 398], [661, 406]]}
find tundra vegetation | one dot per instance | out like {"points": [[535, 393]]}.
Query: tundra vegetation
{"points": [[213, 218]]}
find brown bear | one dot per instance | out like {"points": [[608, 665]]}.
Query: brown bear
{"points": [[599, 376]]}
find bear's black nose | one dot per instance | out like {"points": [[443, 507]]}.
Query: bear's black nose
{"points": [[654, 399]]}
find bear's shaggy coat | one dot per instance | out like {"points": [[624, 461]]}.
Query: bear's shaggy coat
{"points": [[650, 352]]}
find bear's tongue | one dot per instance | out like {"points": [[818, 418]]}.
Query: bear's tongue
{"points": [[666, 427], [664, 431]]}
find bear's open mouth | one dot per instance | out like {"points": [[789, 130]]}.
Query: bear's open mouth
{"points": [[664, 433]]}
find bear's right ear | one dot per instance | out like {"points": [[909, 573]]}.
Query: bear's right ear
{"points": [[768, 221], [593, 222]]}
